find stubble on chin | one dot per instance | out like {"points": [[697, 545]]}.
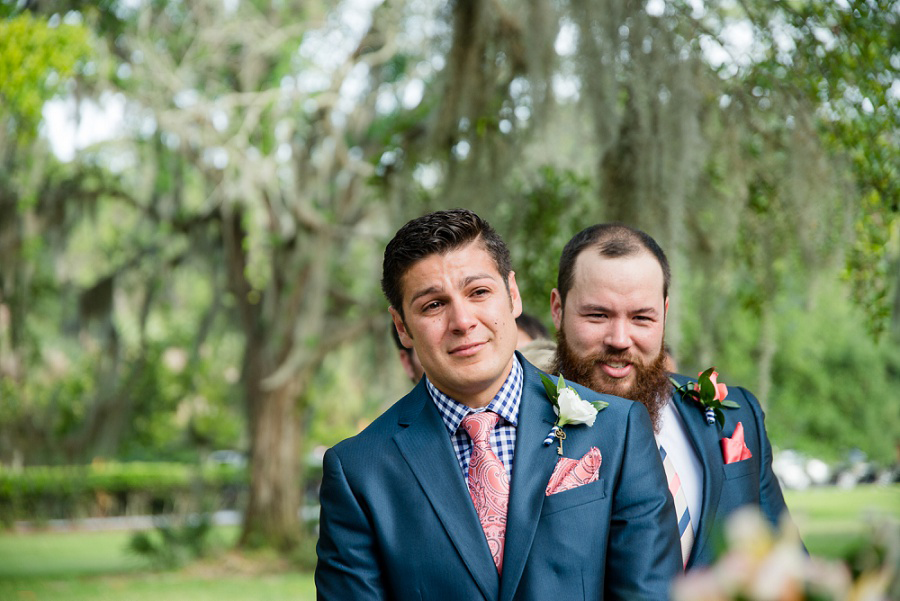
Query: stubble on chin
{"points": [[650, 387]]}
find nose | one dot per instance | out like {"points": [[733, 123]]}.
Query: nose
{"points": [[617, 336], [462, 318]]}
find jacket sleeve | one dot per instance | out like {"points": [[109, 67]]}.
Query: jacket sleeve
{"points": [[771, 499], [347, 566], [644, 553]]}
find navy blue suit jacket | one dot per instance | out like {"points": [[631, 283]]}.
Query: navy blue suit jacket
{"points": [[397, 521], [726, 487]]}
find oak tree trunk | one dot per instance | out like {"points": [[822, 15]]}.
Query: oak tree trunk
{"points": [[271, 518]]}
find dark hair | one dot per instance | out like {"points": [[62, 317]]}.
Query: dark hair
{"points": [[437, 233], [611, 240], [532, 326]]}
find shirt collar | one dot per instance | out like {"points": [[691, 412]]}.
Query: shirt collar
{"points": [[505, 403]]}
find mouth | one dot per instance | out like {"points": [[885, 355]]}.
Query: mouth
{"points": [[466, 350], [615, 369]]}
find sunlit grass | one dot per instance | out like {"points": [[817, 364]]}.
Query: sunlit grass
{"points": [[831, 521], [96, 566], [66, 554], [170, 586]]}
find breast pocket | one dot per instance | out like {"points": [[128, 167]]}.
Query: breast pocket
{"points": [[740, 486], [740, 469], [574, 497], [572, 532]]}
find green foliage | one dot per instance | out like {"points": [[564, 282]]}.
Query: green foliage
{"points": [[846, 60], [830, 385], [536, 224], [171, 545], [340, 406], [50, 405], [48, 492], [163, 391], [178, 408], [868, 268], [173, 409], [283, 247], [36, 58]]}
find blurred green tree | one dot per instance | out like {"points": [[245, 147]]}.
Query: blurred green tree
{"points": [[270, 150], [249, 160]]}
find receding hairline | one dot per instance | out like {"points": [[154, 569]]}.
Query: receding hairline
{"points": [[640, 252], [612, 240]]}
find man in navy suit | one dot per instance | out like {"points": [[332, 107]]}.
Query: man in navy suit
{"points": [[402, 501], [609, 309]]}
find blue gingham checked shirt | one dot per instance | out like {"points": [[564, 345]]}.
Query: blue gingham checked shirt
{"points": [[505, 404]]}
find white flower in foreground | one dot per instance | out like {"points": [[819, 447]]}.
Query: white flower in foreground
{"points": [[572, 409]]}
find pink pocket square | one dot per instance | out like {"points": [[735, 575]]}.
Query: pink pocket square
{"points": [[734, 449], [571, 473]]}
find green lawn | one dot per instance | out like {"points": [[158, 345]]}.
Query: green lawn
{"points": [[94, 566], [165, 586], [832, 520]]}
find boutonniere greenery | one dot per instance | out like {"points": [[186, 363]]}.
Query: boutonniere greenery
{"points": [[710, 393], [569, 408]]}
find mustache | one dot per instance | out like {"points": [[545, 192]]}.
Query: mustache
{"points": [[615, 357], [650, 385]]}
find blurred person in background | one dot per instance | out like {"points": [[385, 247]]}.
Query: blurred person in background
{"points": [[412, 367], [535, 342]]}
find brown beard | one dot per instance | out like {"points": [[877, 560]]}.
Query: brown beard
{"points": [[651, 383]]}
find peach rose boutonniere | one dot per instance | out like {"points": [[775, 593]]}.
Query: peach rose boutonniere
{"points": [[710, 394]]}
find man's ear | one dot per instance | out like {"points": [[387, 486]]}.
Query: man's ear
{"points": [[666, 312], [556, 308], [515, 297], [405, 337]]}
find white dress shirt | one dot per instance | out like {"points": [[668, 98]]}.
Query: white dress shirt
{"points": [[674, 438]]}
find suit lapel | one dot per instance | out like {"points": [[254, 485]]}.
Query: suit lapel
{"points": [[425, 445], [705, 438], [532, 467]]}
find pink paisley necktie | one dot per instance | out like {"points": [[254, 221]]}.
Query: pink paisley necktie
{"points": [[488, 482], [685, 529]]}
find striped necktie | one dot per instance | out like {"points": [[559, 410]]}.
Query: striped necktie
{"points": [[685, 530]]}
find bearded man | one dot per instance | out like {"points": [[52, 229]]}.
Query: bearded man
{"points": [[610, 309]]}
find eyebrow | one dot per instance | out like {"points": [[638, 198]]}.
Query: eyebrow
{"points": [[424, 292], [474, 278], [601, 309], [465, 282]]}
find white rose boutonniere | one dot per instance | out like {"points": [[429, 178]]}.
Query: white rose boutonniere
{"points": [[569, 407], [572, 409]]}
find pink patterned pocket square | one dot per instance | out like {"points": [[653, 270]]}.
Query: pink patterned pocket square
{"points": [[571, 473], [734, 449]]}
